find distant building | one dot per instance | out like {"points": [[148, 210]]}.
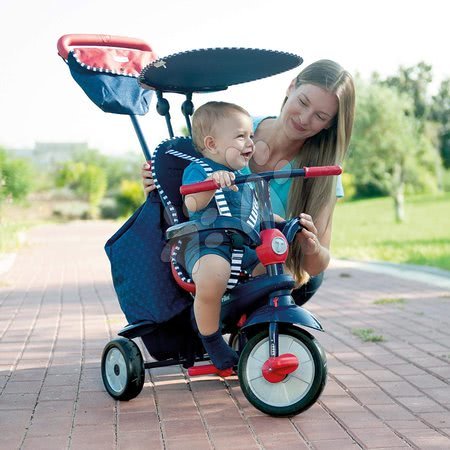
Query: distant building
{"points": [[50, 154]]}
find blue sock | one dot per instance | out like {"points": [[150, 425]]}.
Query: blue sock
{"points": [[221, 354]]}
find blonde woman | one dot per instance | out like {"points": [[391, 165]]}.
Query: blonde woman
{"points": [[313, 129]]}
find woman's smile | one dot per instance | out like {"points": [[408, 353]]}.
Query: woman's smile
{"points": [[298, 126]]}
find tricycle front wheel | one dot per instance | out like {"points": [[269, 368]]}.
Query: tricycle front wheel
{"points": [[298, 390]]}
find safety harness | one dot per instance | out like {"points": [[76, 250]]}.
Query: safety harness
{"points": [[237, 253]]}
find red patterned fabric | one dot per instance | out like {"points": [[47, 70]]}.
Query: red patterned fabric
{"points": [[120, 61]]}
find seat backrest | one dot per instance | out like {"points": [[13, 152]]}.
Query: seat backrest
{"points": [[169, 160]]}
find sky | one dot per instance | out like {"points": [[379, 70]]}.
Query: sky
{"points": [[40, 102]]}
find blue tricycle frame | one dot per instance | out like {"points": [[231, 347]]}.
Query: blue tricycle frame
{"points": [[282, 367]]}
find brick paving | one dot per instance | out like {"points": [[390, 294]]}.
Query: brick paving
{"points": [[58, 310]]}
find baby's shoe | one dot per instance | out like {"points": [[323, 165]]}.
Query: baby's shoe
{"points": [[221, 354]]}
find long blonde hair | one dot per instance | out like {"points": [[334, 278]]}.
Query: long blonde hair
{"points": [[328, 147]]}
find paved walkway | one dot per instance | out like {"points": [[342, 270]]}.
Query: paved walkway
{"points": [[58, 309]]}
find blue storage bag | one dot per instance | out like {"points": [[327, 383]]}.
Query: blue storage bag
{"points": [[140, 267]]}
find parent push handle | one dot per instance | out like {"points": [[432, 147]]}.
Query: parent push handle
{"points": [[98, 40], [307, 172], [322, 171]]}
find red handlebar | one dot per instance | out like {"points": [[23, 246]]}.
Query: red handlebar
{"points": [[98, 40], [307, 172], [322, 171], [201, 186]]}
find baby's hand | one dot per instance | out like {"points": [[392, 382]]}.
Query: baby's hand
{"points": [[224, 179]]}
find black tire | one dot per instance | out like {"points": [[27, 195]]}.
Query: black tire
{"points": [[300, 389], [123, 371]]}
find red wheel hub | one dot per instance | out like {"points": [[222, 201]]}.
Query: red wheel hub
{"points": [[276, 368]]}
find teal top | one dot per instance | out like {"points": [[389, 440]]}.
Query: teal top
{"points": [[279, 188]]}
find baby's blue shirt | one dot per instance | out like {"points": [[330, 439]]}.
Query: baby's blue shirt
{"points": [[240, 203]]}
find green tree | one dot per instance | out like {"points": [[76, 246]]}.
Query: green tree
{"points": [[440, 114], [16, 178], [92, 185], [414, 81], [389, 151], [68, 175], [116, 168], [87, 180], [129, 197]]}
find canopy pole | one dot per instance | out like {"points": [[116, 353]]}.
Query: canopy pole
{"points": [[187, 108], [138, 130], [163, 109]]}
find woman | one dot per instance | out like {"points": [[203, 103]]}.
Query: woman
{"points": [[313, 129]]}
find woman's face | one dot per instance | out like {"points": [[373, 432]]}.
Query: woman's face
{"points": [[308, 110]]}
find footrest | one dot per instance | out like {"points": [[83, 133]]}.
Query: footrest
{"points": [[209, 369]]}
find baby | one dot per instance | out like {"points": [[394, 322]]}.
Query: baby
{"points": [[222, 133]]}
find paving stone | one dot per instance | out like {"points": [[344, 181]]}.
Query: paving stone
{"points": [[139, 440], [420, 404], [138, 421], [372, 396], [379, 437], [353, 420], [192, 444], [333, 444], [432, 443], [93, 437], [44, 442], [317, 431]]}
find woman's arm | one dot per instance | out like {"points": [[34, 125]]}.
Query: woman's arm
{"points": [[315, 240]]}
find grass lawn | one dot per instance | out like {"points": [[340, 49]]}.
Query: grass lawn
{"points": [[366, 230], [11, 236]]}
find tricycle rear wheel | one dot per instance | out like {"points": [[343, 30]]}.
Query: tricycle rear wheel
{"points": [[123, 369]]}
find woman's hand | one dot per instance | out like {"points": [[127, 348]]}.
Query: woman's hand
{"points": [[147, 179], [308, 236], [315, 251]]}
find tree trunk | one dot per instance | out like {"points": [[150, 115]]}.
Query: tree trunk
{"points": [[399, 201], [399, 193]]}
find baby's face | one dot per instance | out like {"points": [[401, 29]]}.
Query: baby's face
{"points": [[234, 140]]}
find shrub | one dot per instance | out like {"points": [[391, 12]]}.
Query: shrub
{"points": [[348, 182], [129, 197]]}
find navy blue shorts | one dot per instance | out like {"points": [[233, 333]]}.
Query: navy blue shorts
{"points": [[215, 246]]}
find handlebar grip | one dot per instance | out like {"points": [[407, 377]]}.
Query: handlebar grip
{"points": [[98, 40], [322, 171], [202, 186]]}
